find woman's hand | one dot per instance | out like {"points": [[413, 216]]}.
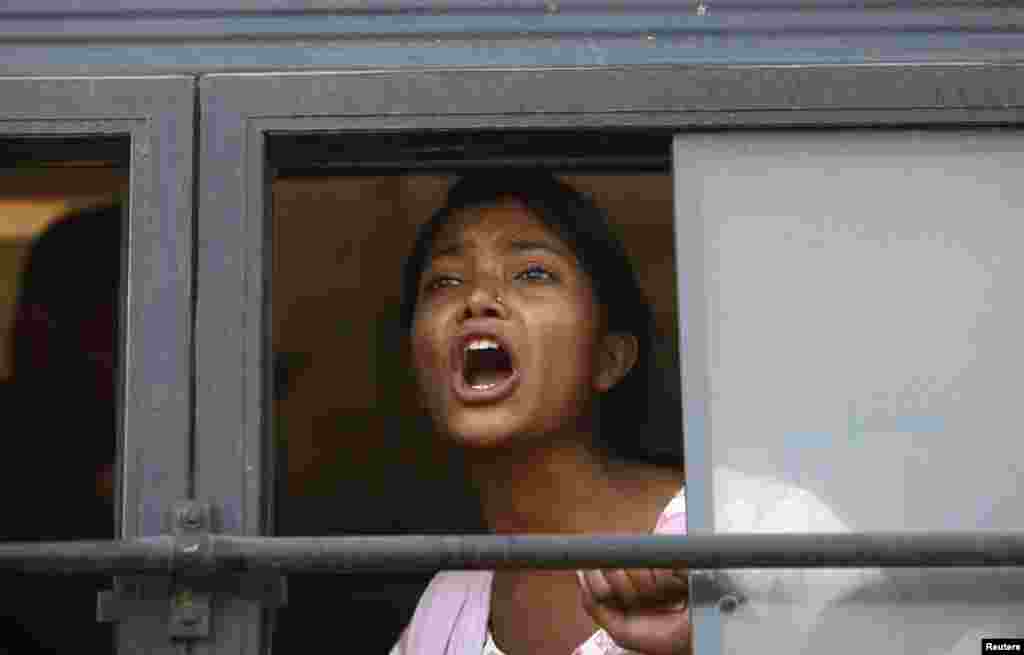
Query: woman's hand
{"points": [[642, 610]]}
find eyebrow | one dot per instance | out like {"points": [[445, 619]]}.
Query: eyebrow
{"points": [[448, 249], [517, 246]]}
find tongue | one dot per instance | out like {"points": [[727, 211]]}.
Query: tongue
{"points": [[485, 368], [487, 378]]}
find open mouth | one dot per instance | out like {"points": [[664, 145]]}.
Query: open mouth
{"points": [[485, 369], [485, 363]]}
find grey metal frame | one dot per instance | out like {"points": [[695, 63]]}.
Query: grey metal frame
{"points": [[157, 115], [238, 111], [55, 37]]}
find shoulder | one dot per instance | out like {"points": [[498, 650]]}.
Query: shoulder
{"points": [[457, 584], [673, 517], [450, 594], [451, 612]]}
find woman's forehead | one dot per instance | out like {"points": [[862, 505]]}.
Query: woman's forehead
{"points": [[497, 223]]}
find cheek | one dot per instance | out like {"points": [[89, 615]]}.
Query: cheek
{"points": [[427, 356], [569, 355]]}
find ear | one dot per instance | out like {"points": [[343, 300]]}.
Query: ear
{"points": [[616, 356]]}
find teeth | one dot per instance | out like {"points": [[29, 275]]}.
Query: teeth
{"points": [[482, 344]]}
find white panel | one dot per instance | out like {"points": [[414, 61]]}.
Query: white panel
{"points": [[860, 315]]}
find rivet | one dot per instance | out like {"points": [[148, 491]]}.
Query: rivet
{"points": [[728, 603]]}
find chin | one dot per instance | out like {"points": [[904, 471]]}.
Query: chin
{"points": [[470, 437], [482, 431]]}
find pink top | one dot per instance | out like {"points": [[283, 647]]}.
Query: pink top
{"points": [[452, 615]]}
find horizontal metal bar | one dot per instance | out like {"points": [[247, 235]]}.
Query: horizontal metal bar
{"points": [[143, 555], [400, 167], [213, 553], [293, 7], [330, 27]]}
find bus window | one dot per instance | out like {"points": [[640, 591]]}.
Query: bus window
{"points": [[61, 213], [859, 319], [355, 449]]}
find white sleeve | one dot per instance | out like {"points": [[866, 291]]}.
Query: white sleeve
{"points": [[784, 605]]}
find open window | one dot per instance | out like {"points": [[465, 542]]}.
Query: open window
{"points": [[366, 156], [354, 452]]}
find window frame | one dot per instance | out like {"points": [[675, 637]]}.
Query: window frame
{"points": [[154, 385], [239, 111]]}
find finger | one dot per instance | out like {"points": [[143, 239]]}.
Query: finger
{"points": [[656, 587], [624, 587], [638, 588], [645, 584], [603, 613], [644, 631], [673, 586], [586, 593], [600, 588]]}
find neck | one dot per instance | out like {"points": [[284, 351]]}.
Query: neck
{"points": [[566, 487]]}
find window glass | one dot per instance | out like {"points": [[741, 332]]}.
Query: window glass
{"points": [[61, 213], [356, 450], [858, 308]]}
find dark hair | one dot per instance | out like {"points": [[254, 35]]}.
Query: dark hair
{"points": [[71, 275], [73, 268], [631, 404]]}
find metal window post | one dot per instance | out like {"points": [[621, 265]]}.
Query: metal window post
{"points": [[191, 574]]}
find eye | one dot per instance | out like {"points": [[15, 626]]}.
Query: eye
{"points": [[441, 282], [536, 273]]}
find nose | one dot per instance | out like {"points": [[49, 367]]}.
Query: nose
{"points": [[484, 302]]}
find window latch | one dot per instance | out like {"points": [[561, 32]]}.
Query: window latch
{"points": [[189, 593]]}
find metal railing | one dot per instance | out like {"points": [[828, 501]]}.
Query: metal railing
{"points": [[215, 553]]}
